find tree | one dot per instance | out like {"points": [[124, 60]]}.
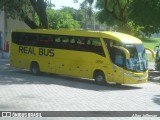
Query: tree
{"points": [[40, 9], [24, 9], [86, 9], [76, 14], [61, 19], [131, 16], [146, 13], [114, 12]]}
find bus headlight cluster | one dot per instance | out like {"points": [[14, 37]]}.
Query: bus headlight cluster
{"points": [[136, 77]]}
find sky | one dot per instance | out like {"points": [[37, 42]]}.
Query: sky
{"points": [[68, 3]]}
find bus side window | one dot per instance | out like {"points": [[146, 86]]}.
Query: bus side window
{"points": [[96, 46], [64, 39], [72, 43], [65, 42], [23, 40], [45, 41], [72, 40], [16, 37], [30, 39], [81, 43], [61, 42], [57, 41], [89, 45]]}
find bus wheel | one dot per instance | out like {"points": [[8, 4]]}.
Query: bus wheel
{"points": [[35, 68], [118, 84], [99, 77]]}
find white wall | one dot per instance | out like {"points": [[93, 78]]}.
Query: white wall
{"points": [[6, 26], [1, 20], [13, 24], [2, 26]]}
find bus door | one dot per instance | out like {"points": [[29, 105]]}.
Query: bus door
{"points": [[118, 65], [117, 57]]}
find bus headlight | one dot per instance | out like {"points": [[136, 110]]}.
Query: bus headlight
{"points": [[136, 77]]}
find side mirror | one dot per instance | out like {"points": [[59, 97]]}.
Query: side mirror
{"points": [[152, 52], [124, 50]]}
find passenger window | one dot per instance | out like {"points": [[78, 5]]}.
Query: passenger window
{"points": [[81, 41], [72, 40], [64, 39], [16, 37], [96, 42], [45, 41], [94, 45], [30, 39], [57, 39]]}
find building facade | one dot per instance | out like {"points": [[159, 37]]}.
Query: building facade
{"points": [[6, 26]]}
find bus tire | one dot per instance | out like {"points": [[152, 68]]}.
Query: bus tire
{"points": [[34, 68], [118, 84], [99, 77]]}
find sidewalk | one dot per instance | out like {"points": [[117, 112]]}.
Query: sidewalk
{"points": [[154, 76], [4, 55], [4, 59]]}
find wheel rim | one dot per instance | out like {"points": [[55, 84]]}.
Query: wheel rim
{"points": [[34, 69], [100, 78]]}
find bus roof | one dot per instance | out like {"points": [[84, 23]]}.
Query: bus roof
{"points": [[121, 37], [124, 38]]}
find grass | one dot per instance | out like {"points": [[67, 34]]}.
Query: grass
{"points": [[151, 42]]}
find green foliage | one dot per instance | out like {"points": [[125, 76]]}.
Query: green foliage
{"points": [[85, 15], [131, 16], [16, 9], [86, 9], [151, 42], [115, 9], [104, 17], [146, 13], [76, 14], [25, 9], [114, 13], [61, 19]]}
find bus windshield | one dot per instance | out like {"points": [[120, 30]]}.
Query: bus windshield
{"points": [[138, 59]]}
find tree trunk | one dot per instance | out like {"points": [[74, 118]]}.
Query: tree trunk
{"points": [[30, 23], [40, 8]]}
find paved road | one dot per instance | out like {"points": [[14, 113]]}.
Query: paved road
{"points": [[21, 91]]}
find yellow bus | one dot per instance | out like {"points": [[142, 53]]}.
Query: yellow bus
{"points": [[101, 56]]}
